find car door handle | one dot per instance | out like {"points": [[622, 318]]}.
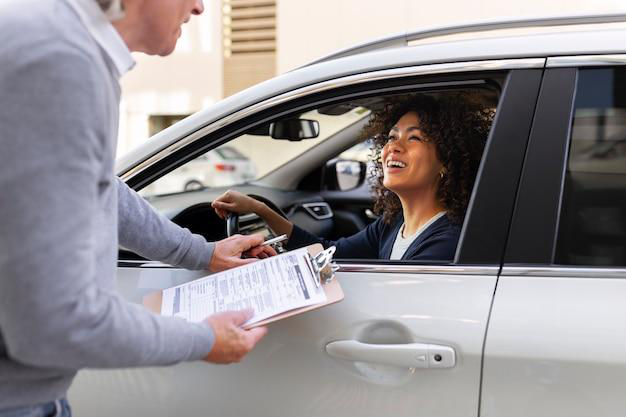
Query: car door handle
{"points": [[414, 355]]}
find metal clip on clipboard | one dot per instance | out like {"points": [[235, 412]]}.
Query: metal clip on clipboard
{"points": [[323, 267]]}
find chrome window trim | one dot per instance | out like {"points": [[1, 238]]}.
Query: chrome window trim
{"points": [[585, 60], [419, 269], [428, 69], [357, 267], [141, 263], [563, 272]]}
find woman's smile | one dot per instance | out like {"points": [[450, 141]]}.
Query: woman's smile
{"points": [[394, 166]]}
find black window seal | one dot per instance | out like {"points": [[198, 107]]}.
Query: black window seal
{"points": [[485, 231], [536, 215]]}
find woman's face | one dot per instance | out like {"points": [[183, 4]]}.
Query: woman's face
{"points": [[409, 158]]}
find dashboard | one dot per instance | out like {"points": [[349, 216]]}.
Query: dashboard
{"points": [[192, 210]]}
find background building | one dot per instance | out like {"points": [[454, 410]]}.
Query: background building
{"points": [[238, 43]]}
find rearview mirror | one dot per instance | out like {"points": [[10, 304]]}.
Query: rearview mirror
{"points": [[294, 129]]}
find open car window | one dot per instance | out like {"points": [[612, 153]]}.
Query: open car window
{"points": [[323, 151], [250, 156]]}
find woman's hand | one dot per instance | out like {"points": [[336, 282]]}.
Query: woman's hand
{"points": [[235, 202]]}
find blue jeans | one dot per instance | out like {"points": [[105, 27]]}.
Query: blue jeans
{"points": [[58, 408]]}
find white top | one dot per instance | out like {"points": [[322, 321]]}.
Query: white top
{"points": [[402, 244], [104, 33]]}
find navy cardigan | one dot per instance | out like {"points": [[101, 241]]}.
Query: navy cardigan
{"points": [[436, 243]]}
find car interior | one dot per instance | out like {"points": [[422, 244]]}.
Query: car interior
{"points": [[312, 166]]}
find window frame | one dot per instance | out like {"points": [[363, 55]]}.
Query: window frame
{"points": [[531, 248], [485, 215], [535, 218]]}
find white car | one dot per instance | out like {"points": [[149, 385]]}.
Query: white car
{"points": [[533, 306], [222, 166]]}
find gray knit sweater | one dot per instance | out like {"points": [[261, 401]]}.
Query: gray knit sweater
{"points": [[62, 211]]}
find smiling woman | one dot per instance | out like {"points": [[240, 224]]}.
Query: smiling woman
{"points": [[451, 128], [426, 154]]}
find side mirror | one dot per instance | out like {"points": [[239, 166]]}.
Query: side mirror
{"points": [[294, 129], [344, 175]]}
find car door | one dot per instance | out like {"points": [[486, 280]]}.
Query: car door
{"points": [[407, 339], [555, 344]]}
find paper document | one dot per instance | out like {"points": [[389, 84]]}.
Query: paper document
{"points": [[270, 286]]}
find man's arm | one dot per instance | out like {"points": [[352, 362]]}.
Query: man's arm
{"points": [[152, 235]]}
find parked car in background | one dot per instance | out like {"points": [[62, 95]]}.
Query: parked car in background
{"points": [[222, 166], [532, 307]]}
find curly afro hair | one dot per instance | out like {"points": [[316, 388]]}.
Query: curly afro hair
{"points": [[457, 124]]}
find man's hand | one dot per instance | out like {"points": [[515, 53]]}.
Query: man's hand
{"points": [[261, 252], [231, 341], [227, 253]]}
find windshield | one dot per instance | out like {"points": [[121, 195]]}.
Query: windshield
{"points": [[248, 157]]}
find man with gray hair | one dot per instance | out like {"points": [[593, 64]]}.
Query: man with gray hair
{"points": [[63, 211]]}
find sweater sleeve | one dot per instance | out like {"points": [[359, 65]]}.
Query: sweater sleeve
{"points": [[361, 245], [150, 234], [53, 313]]}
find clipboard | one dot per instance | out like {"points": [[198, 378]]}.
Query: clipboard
{"points": [[323, 270]]}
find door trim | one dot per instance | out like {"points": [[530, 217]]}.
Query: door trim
{"points": [[418, 269], [563, 272], [360, 267]]}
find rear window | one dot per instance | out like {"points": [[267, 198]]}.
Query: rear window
{"points": [[592, 229]]}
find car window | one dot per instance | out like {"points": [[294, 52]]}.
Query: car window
{"points": [[362, 152], [250, 156], [592, 228], [332, 154]]}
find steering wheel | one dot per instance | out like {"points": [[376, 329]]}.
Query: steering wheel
{"points": [[232, 221]]}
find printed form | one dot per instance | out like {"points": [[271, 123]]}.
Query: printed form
{"points": [[270, 286]]}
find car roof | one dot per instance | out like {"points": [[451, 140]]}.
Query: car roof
{"points": [[472, 28], [384, 54]]}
